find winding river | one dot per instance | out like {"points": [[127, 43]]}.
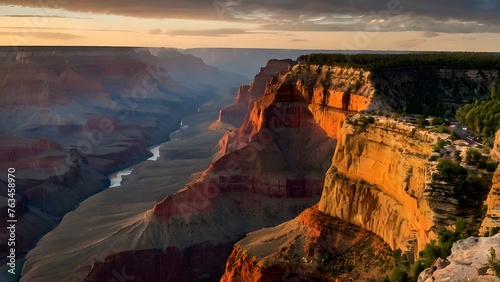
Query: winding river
{"points": [[116, 178]]}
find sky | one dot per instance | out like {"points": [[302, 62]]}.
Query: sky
{"points": [[419, 25]]}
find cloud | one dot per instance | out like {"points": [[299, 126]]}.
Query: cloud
{"points": [[313, 15], [43, 35], [44, 16], [28, 29], [205, 32], [430, 34], [222, 32], [410, 43]]}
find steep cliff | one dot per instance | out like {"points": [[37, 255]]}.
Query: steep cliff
{"points": [[381, 178], [247, 94], [378, 180], [492, 218]]}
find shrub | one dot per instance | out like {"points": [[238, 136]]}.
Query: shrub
{"points": [[417, 268], [399, 274], [454, 136], [439, 145], [491, 166], [442, 248], [448, 169], [437, 121], [474, 157], [492, 260], [494, 231], [433, 158], [441, 129], [422, 122]]}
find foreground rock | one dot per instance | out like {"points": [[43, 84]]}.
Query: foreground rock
{"points": [[311, 247], [468, 262]]}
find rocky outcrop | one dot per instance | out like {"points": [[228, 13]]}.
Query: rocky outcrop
{"points": [[247, 94], [324, 91], [378, 180], [468, 262], [313, 246], [235, 113], [495, 151], [492, 218]]}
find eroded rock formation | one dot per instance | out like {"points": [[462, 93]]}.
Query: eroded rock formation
{"points": [[313, 246], [492, 218], [378, 180]]}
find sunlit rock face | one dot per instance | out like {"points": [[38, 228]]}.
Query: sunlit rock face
{"points": [[297, 140], [380, 178], [492, 218]]}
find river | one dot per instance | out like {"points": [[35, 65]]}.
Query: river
{"points": [[116, 178]]}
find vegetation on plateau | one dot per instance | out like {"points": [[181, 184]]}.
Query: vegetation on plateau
{"points": [[459, 60], [468, 188], [483, 117], [494, 262], [442, 247]]}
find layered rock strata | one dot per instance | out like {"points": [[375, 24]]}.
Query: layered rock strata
{"points": [[311, 247], [492, 218]]}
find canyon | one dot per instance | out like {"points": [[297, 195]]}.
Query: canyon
{"points": [[70, 116], [300, 178]]}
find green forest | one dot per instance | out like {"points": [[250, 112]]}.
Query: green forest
{"points": [[483, 117], [459, 60]]}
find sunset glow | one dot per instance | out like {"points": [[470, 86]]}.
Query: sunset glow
{"points": [[229, 25]]}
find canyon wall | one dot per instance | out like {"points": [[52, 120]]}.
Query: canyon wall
{"points": [[378, 180], [49, 183], [276, 164], [381, 178], [492, 218]]}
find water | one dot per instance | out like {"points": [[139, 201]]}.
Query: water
{"points": [[116, 178]]}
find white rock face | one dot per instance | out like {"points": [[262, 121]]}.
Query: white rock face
{"points": [[468, 262]]}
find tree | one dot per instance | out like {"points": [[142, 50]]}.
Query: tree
{"points": [[454, 136], [437, 121], [399, 274]]}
